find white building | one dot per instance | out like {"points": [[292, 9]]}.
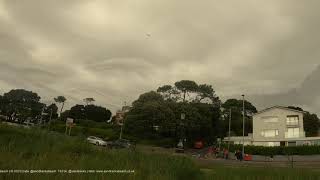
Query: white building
{"points": [[277, 126]]}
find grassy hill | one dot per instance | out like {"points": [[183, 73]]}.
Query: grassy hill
{"points": [[33, 149], [36, 149]]}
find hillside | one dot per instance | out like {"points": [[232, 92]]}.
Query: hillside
{"points": [[23, 149]]}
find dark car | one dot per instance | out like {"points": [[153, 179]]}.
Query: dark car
{"points": [[122, 144]]}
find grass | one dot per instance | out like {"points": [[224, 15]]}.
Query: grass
{"points": [[84, 129], [28, 149], [258, 173], [37, 149]]}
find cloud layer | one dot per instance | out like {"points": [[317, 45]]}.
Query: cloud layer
{"points": [[115, 50]]}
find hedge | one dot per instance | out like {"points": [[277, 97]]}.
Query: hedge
{"points": [[277, 150]]}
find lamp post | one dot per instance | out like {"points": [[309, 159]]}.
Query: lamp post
{"points": [[182, 131], [121, 131], [243, 125], [230, 116]]}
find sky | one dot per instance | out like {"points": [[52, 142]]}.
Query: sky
{"points": [[115, 50]]}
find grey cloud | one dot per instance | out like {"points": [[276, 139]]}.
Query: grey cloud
{"points": [[115, 50]]}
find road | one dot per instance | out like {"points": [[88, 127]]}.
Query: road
{"points": [[312, 161]]}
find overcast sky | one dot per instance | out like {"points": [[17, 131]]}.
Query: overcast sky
{"points": [[114, 50]]}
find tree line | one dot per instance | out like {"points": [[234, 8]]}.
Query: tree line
{"points": [[184, 110], [158, 114], [21, 105]]}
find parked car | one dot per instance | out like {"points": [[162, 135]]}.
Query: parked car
{"points": [[97, 141], [122, 143]]}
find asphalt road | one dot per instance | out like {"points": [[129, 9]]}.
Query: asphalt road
{"points": [[312, 161]]}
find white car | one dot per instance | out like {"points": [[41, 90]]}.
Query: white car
{"points": [[97, 141]]}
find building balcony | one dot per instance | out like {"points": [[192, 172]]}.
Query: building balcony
{"points": [[297, 135], [293, 124]]}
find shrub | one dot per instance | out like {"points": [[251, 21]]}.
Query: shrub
{"points": [[277, 150]]}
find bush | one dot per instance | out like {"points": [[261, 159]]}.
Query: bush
{"points": [[87, 128], [277, 150]]}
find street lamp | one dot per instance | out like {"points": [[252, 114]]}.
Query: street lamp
{"points": [[182, 135], [230, 116], [224, 116], [243, 125]]}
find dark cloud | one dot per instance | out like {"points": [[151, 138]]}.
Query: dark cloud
{"points": [[115, 50]]}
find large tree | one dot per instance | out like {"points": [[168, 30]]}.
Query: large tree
{"points": [[189, 91], [206, 93], [169, 92], [152, 115], [51, 111], [21, 95], [21, 104], [311, 122], [61, 100], [88, 100], [236, 107], [89, 112], [186, 87]]}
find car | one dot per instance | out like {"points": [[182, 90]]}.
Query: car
{"points": [[122, 143], [96, 141]]}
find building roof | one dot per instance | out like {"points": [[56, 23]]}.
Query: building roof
{"points": [[277, 107]]}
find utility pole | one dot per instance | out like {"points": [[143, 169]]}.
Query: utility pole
{"points": [[123, 121], [41, 115], [230, 116], [243, 109], [50, 119], [121, 129]]}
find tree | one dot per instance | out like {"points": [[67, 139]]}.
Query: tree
{"points": [[186, 87], [60, 100], [236, 123], [295, 108], [89, 112], [311, 122], [148, 111], [203, 93], [97, 113], [206, 92], [21, 104], [78, 112], [152, 110], [21, 95], [237, 105], [52, 110], [2, 104], [88, 100], [146, 97], [168, 92]]}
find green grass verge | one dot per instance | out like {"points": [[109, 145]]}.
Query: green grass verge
{"points": [[258, 173], [37, 149], [28, 149]]}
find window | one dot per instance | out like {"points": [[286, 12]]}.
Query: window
{"points": [[272, 144], [293, 132], [270, 133], [293, 120], [270, 119]]}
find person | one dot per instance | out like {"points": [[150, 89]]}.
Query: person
{"points": [[236, 154], [214, 152], [180, 144], [271, 157], [217, 152], [226, 153], [210, 151], [240, 155]]}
